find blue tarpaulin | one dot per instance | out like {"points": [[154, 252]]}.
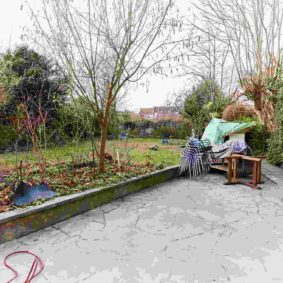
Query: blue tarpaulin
{"points": [[33, 193]]}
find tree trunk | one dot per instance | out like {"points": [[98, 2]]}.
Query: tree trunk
{"points": [[103, 139], [104, 126]]}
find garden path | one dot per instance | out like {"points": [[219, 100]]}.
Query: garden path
{"points": [[181, 231]]}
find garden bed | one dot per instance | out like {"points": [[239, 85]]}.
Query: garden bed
{"points": [[22, 221], [73, 168], [66, 178]]}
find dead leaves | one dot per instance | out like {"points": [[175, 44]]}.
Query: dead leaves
{"points": [[65, 179]]}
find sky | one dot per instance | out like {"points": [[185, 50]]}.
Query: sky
{"points": [[11, 18], [14, 16]]}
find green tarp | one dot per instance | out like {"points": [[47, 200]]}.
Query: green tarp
{"points": [[217, 129]]}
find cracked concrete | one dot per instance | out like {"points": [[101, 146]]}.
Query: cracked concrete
{"points": [[181, 231]]}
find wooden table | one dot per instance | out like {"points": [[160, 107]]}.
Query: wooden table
{"points": [[232, 171]]}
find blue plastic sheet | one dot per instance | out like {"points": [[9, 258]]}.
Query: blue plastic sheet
{"points": [[33, 193]]}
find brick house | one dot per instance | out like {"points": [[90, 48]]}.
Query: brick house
{"points": [[161, 113]]}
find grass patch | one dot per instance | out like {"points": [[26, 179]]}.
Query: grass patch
{"points": [[162, 156], [136, 149], [55, 153]]}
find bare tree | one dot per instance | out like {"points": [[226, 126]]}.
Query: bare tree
{"points": [[201, 55], [209, 61], [176, 99], [102, 45], [252, 30]]}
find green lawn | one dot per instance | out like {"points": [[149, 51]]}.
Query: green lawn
{"points": [[136, 149], [54, 153], [166, 157]]}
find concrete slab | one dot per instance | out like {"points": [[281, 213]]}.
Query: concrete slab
{"points": [[181, 231], [23, 221]]}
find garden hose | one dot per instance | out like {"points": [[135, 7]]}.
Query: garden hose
{"points": [[33, 270]]}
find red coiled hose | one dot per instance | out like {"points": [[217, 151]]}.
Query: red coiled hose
{"points": [[33, 270]]}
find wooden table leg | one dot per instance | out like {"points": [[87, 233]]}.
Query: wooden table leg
{"points": [[259, 173], [232, 171], [255, 173], [235, 171], [229, 173]]}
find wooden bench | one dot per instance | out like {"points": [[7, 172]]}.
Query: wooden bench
{"points": [[232, 170]]}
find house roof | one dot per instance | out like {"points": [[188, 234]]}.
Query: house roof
{"points": [[147, 110]]}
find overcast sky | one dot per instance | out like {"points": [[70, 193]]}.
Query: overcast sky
{"points": [[13, 17]]}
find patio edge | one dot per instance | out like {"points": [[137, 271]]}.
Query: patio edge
{"points": [[17, 223]]}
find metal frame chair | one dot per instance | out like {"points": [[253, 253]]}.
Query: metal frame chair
{"points": [[196, 158]]}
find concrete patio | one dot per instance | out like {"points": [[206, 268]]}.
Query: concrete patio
{"points": [[180, 231]]}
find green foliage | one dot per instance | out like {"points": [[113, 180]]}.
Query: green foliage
{"points": [[164, 127], [31, 79], [76, 121], [275, 145], [145, 124], [184, 131], [258, 137], [204, 103], [134, 133], [165, 131], [180, 132], [8, 136], [114, 122]]}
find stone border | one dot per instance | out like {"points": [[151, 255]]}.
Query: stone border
{"points": [[17, 223]]}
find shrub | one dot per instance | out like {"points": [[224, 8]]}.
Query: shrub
{"points": [[31, 79], [275, 143], [134, 133], [258, 137], [184, 131], [181, 132], [203, 103], [8, 136], [165, 131]]}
